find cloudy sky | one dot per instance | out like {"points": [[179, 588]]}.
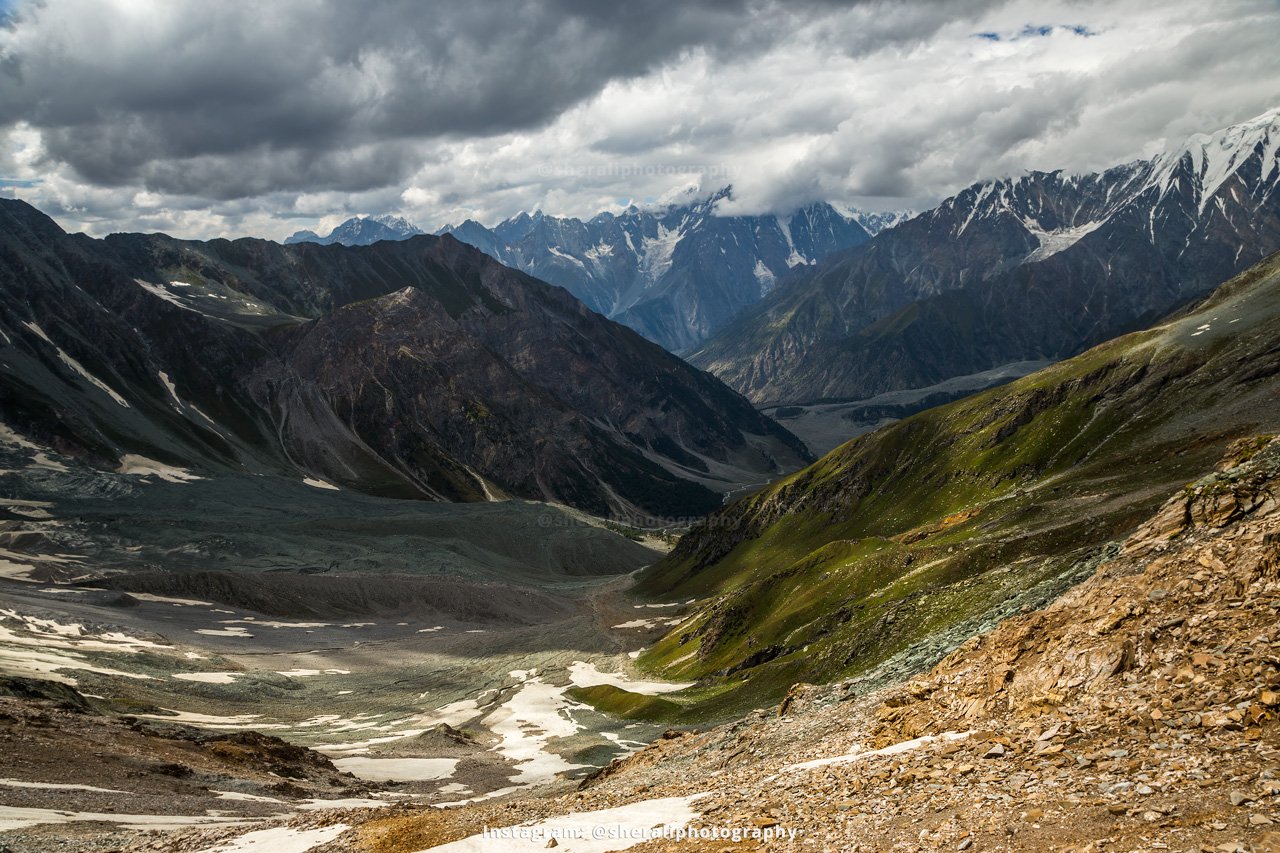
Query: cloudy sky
{"points": [[225, 119]]}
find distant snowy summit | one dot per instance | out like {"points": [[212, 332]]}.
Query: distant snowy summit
{"points": [[361, 231], [875, 222]]}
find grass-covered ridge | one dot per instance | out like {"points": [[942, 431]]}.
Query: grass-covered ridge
{"points": [[900, 544]]}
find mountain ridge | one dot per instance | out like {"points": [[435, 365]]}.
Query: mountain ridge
{"points": [[1016, 269]]}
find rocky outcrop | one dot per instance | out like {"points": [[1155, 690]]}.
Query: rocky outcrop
{"points": [[1235, 491], [1176, 618]]}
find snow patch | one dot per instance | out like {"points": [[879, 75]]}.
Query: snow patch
{"points": [[188, 298], [280, 839], [316, 483], [207, 677], [160, 291], [239, 797], [599, 252], [38, 510], [347, 803], [765, 278], [271, 623], [455, 713], [1058, 240], [795, 259], [44, 648], [58, 786], [656, 253], [588, 675], [171, 388], [210, 721], [229, 631], [140, 466], [178, 403], [649, 623], [164, 599], [894, 749], [13, 817], [308, 673], [13, 569], [398, 769], [49, 665], [534, 716], [625, 826], [8, 436], [570, 258]]}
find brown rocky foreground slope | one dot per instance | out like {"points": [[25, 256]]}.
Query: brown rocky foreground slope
{"points": [[1136, 713]]}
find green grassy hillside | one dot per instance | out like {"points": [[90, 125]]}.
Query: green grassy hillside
{"points": [[900, 544]]}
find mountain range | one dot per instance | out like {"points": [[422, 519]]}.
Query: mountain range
{"points": [[1027, 269], [420, 368], [675, 272]]}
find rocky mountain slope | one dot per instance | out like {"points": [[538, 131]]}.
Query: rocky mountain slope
{"points": [[1019, 269], [675, 273], [887, 552], [1137, 712], [419, 368]]}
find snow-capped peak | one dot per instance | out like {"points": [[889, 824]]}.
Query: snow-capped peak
{"points": [[362, 230], [872, 221], [1214, 158], [396, 223]]}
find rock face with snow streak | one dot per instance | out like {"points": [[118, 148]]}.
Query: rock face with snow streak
{"points": [[1036, 267], [419, 368], [675, 273]]}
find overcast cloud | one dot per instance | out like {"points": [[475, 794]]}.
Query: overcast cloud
{"points": [[225, 119]]}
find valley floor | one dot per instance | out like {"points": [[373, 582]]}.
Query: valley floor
{"points": [[121, 721]]}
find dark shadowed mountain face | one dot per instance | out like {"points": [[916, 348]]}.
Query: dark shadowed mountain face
{"points": [[675, 274], [1034, 268], [420, 368]]}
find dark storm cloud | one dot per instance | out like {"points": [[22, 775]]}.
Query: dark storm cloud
{"points": [[242, 98], [246, 97], [225, 118]]}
